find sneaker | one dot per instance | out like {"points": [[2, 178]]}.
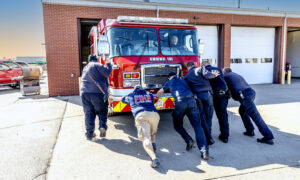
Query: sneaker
{"points": [[102, 132], [223, 139], [265, 140], [251, 134], [154, 147], [155, 163], [190, 145], [90, 137], [205, 155]]}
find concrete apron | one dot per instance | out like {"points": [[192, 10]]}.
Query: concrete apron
{"points": [[121, 156]]}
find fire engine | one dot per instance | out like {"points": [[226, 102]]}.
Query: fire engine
{"points": [[143, 51]]}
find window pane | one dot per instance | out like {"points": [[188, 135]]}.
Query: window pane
{"points": [[210, 60], [178, 42], [236, 61], [129, 41], [13, 65], [266, 60], [3, 67], [251, 60]]}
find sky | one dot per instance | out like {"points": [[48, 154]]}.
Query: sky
{"points": [[22, 29]]}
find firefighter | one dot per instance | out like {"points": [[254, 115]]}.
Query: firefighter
{"points": [[94, 93], [197, 79], [220, 100], [146, 120], [185, 104], [242, 92]]}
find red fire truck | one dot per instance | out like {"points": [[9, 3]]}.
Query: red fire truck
{"points": [[143, 51]]}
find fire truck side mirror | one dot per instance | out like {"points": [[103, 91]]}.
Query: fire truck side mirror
{"points": [[201, 46], [103, 46]]}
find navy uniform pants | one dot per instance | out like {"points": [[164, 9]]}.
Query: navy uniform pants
{"points": [[204, 125], [93, 105], [188, 106], [206, 100], [220, 104], [248, 110]]}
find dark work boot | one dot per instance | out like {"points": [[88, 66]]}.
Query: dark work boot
{"points": [[102, 132], [90, 136], [211, 141], [223, 139], [247, 133], [155, 163], [190, 145], [265, 140]]}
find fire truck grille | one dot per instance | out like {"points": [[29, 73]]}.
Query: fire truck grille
{"points": [[157, 75]]}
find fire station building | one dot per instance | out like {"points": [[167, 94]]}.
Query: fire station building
{"points": [[254, 43]]}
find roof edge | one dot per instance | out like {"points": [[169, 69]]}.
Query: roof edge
{"points": [[173, 7]]}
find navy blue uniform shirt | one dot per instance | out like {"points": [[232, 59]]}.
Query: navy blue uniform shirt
{"points": [[178, 87], [235, 84], [217, 83], [100, 74], [139, 100], [197, 79]]}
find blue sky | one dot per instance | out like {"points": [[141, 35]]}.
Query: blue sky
{"points": [[22, 30]]}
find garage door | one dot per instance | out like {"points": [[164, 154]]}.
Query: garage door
{"points": [[209, 35], [252, 53]]}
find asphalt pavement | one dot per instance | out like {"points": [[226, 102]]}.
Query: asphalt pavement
{"points": [[43, 138]]}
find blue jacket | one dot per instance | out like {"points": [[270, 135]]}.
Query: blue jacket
{"points": [[100, 74], [235, 84], [178, 87], [197, 79], [217, 83], [139, 100]]}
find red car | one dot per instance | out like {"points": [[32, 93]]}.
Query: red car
{"points": [[7, 73], [14, 65]]}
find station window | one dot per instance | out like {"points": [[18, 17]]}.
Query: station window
{"points": [[251, 60], [266, 60], [236, 61], [210, 60]]}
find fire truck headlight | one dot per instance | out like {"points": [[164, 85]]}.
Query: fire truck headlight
{"points": [[130, 83]]}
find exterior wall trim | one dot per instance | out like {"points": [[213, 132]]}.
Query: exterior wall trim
{"points": [[172, 7]]}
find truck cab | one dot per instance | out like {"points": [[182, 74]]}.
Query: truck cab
{"points": [[144, 51]]}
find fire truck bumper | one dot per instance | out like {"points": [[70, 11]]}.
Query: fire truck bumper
{"points": [[166, 101]]}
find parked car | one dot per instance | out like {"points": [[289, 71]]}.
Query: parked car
{"points": [[14, 65], [7, 75], [23, 64]]}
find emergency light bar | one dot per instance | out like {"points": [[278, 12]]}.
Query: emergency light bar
{"points": [[151, 20]]}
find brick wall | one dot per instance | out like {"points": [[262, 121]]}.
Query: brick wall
{"points": [[62, 46]]}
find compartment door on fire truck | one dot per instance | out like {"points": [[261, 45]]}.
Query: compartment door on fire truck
{"points": [[209, 35], [252, 53]]}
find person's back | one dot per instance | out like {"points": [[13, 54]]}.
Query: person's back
{"points": [[99, 73], [235, 84], [196, 80], [217, 83], [178, 87], [140, 100]]}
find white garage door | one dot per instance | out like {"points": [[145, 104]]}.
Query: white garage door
{"points": [[252, 53], [209, 35]]}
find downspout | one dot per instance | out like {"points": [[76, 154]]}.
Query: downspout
{"points": [[283, 51], [157, 12]]}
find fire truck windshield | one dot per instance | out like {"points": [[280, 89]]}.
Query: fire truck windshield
{"points": [[178, 42], [131, 41]]}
